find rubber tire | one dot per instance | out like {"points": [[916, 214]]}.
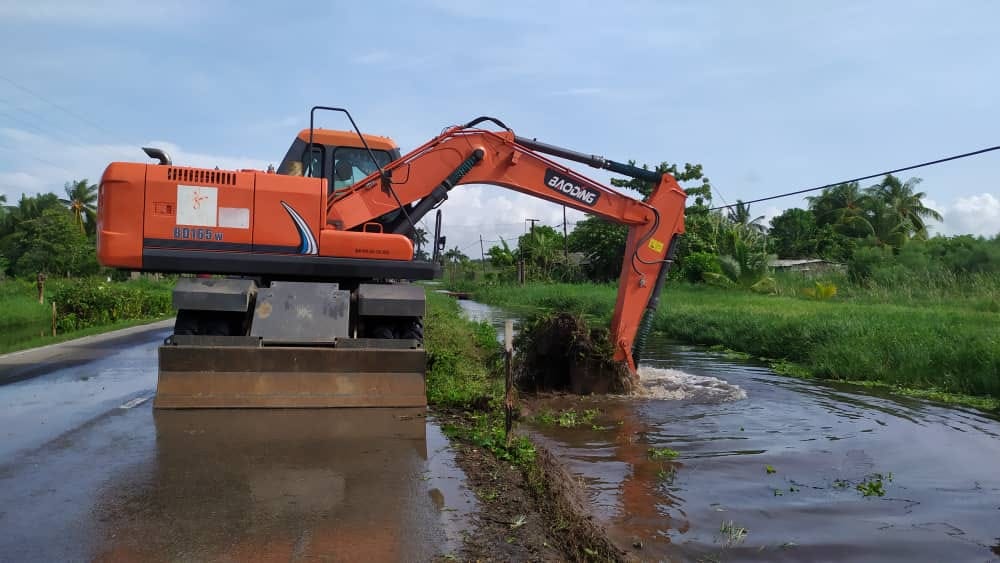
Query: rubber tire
{"points": [[382, 331], [412, 329], [187, 323], [208, 323]]}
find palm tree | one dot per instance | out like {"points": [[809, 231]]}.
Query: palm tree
{"points": [[887, 227], [28, 208], [743, 264], [740, 215], [906, 203], [419, 238], [81, 198], [845, 206], [457, 259], [455, 256]]}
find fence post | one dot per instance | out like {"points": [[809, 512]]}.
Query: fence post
{"points": [[40, 283], [53, 318], [508, 354]]}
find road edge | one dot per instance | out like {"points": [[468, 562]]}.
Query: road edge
{"points": [[25, 364]]}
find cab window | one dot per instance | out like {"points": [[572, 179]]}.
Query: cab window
{"points": [[351, 165], [292, 165]]}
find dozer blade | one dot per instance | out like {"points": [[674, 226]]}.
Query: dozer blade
{"points": [[289, 377]]}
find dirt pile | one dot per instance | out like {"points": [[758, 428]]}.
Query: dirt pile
{"points": [[560, 352]]}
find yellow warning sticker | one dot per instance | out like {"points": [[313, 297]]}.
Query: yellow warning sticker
{"points": [[656, 245]]}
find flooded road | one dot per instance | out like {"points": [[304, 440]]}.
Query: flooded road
{"points": [[770, 468], [89, 471]]}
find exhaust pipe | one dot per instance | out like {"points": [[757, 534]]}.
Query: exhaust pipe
{"points": [[158, 154]]}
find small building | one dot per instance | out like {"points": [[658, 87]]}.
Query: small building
{"points": [[807, 266]]}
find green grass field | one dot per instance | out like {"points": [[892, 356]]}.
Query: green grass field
{"points": [[949, 345], [92, 306]]}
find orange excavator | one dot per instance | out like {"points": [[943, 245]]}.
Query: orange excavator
{"points": [[304, 296]]}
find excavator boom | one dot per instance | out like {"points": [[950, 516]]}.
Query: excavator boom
{"points": [[468, 155], [303, 297]]}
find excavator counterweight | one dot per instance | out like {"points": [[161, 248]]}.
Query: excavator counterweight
{"points": [[303, 295]]}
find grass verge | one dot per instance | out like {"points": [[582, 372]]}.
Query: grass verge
{"points": [[84, 307], [919, 349], [39, 341], [531, 509]]}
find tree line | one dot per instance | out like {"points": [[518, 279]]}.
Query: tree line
{"points": [[876, 231], [49, 234]]}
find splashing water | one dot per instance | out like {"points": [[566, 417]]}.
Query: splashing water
{"points": [[676, 385]]}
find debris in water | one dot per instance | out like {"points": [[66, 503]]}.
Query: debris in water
{"points": [[560, 352], [671, 384]]}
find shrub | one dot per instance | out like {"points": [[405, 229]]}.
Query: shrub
{"points": [[696, 264], [865, 261], [91, 302]]}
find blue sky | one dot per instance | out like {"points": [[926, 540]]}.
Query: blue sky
{"points": [[768, 96]]}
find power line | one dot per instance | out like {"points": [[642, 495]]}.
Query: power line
{"points": [[718, 193], [62, 108], [860, 178], [41, 126], [35, 157]]}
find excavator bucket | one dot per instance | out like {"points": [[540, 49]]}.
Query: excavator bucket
{"points": [[299, 350], [194, 376]]}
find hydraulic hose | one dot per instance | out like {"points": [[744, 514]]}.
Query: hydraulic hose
{"points": [[440, 193], [646, 324]]}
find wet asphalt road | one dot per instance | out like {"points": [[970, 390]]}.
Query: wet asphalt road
{"points": [[89, 471]]}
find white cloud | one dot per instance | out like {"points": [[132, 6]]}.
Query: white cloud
{"points": [[31, 166], [976, 214], [494, 213], [769, 213]]}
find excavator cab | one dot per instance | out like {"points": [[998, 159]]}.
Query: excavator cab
{"points": [[339, 157]]}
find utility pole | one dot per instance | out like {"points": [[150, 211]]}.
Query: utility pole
{"points": [[565, 240], [524, 266], [482, 254]]}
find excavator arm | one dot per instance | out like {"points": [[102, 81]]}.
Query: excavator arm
{"points": [[398, 195]]}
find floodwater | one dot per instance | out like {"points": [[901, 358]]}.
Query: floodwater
{"points": [[480, 312], [768, 468], [89, 471]]}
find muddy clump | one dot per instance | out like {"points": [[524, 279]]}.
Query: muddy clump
{"points": [[560, 352]]}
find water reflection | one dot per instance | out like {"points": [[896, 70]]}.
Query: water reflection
{"points": [[820, 442], [278, 485], [790, 462], [479, 313]]}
